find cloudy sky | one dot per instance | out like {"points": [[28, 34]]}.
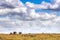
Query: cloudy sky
{"points": [[30, 16]]}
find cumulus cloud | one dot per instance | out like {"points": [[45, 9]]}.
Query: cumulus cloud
{"points": [[45, 5], [55, 6], [10, 3], [17, 16]]}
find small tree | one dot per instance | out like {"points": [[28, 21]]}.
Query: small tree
{"points": [[14, 32], [10, 33], [20, 32]]}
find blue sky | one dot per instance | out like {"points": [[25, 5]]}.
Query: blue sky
{"points": [[35, 1]]}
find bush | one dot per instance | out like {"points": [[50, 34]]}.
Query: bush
{"points": [[10, 33], [20, 32], [14, 32]]}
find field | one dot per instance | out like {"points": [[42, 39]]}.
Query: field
{"points": [[29, 36]]}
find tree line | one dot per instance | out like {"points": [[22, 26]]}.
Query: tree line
{"points": [[15, 33]]}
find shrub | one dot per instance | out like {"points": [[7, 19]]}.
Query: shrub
{"points": [[20, 32], [10, 33], [14, 32]]}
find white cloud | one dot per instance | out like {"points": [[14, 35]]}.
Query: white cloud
{"points": [[57, 1], [52, 6], [10, 3], [45, 5]]}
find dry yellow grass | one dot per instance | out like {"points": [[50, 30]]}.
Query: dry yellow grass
{"points": [[30, 37]]}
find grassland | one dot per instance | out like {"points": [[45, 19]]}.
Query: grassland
{"points": [[29, 36]]}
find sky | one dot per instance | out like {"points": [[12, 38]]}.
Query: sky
{"points": [[35, 1], [30, 16]]}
